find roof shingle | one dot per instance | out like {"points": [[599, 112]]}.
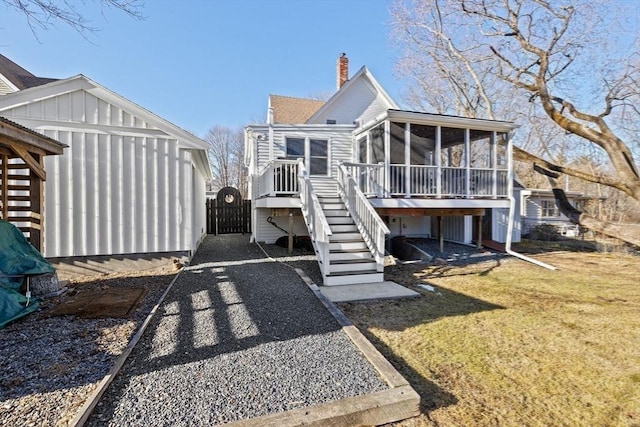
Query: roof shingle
{"points": [[290, 110]]}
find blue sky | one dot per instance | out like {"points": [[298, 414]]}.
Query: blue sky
{"points": [[200, 63]]}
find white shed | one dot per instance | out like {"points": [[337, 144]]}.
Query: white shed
{"points": [[129, 182]]}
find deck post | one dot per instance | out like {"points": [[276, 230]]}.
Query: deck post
{"points": [[440, 234], [479, 231], [5, 187], [290, 248]]}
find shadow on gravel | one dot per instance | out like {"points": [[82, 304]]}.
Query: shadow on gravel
{"points": [[68, 351], [228, 300]]}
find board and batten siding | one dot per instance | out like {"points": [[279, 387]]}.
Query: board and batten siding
{"points": [[121, 187]]}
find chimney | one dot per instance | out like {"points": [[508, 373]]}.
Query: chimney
{"points": [[342, 70]]}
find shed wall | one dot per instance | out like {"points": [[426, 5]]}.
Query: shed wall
{"points": [[120, 187]]}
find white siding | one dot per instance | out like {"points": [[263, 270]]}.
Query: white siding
{"points": [[120, 187], [500, 221], [417, 226], [362, 104], [454, 228], [265, 232], [339, 143]]}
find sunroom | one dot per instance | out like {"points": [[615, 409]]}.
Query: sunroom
{"points": [[405, 154]]}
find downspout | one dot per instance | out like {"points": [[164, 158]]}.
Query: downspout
{"points": [[512, 206]]}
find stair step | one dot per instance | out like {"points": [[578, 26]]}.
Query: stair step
{"points": [[333, 206], [354, 266], [352, 279], [346, 237], [336, 212], [347, 245], [343, 228], [334, 220], [330, 199], [361, 254]]}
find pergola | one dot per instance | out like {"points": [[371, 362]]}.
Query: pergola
{"points": [[22, 177]]}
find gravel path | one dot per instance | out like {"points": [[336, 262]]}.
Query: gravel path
{"points": [[238, 336]]}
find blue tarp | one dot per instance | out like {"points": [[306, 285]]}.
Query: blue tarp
{"points": [[17, 260]]}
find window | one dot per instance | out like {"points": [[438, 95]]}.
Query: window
{"points": [[331, 121], [318, 156], [315, 153], [549, 208], [295, 148]]}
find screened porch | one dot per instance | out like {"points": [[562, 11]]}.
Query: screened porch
{"points": [[425, 155]]}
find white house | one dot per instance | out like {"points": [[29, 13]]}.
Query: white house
{"points": [[357, 169], [538, 206], [129, 182]]}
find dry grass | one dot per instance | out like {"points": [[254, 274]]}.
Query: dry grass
{"points": [[507, 343]]}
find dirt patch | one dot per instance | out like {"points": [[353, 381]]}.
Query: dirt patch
{"points": [[100, 302]]}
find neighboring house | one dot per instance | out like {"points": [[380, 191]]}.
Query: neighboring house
{"points": [[538, 206], [358, 169], [129, 182]]}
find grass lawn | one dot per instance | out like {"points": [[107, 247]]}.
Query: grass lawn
{"points": [[507, 343]]}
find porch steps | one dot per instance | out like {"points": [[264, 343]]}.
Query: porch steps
{"points": [[350, 260]]}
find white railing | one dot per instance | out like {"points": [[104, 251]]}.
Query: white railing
{"points": [[370, 177], [422, 180], [369, 223], [317, 224], [454, 182], [278, 177]]}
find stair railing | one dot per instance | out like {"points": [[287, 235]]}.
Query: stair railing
{"points": [[369, 223], [314, 217]]}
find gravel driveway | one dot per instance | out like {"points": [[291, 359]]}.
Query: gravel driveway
{"points": [[238, 336]]}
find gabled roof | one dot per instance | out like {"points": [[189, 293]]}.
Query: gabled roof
{"points": [[80, 82], [18, 76], [362, 74], [290, 110]]}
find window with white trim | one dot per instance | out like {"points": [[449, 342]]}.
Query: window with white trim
{"points": [[549, 208], [314, 151]]}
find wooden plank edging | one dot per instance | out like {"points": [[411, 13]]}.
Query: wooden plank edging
{"points": [[83, 414]]}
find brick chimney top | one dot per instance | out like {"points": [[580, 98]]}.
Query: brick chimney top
{"points": [[342, 70]]}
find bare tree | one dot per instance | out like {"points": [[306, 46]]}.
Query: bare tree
{"points": [[226, 151], [44, 14], [491, 55]]}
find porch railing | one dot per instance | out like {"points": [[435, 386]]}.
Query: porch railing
{"points": [[278, 178], [369, 223], [314, 217], [423, 180]]}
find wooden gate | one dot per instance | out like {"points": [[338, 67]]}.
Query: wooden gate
{"points": [[228, 213]]}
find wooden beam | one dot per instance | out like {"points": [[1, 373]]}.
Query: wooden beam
{"points": [[12, 143], [479, 242], [36, 193], [430, 211], [4, 174], [33, 164], [441, 234], [33, 138]]}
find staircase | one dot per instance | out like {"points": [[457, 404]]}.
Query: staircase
{"points": [[350, 260]]}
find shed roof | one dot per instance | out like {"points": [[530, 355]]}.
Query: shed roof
{"points": [[290, 110], [18, 76], [13, 131]]}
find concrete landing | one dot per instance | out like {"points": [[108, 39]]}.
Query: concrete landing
{"points": [[367, 291]]}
